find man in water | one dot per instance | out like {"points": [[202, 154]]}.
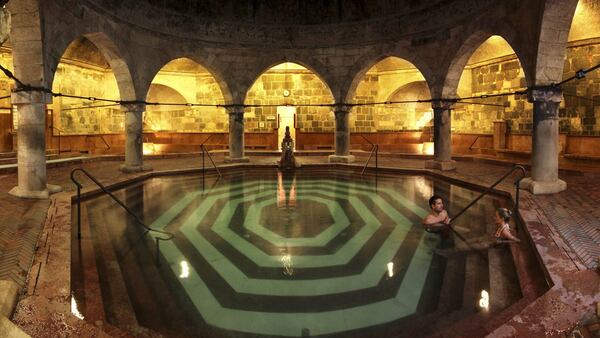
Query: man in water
{"points": [[437, 220]]}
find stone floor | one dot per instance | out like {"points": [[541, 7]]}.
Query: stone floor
{"points": [[569, 219]]}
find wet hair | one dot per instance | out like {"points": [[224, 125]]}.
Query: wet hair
{"points": [[433, 199], [504, 213]]}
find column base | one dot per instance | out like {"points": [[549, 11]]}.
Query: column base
{"points": [[440, 165], [35, 194], [341, 158], [134, 168], [237, 159], [542, 187]]}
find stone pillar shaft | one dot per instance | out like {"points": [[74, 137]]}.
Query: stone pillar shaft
{"points": [[31, 136], [545, 148], [342, 135], [134, 156], [442, 138], [236, 134]]}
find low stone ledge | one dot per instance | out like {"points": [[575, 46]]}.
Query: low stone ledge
{"points": [[9, 291], [9, 329]]}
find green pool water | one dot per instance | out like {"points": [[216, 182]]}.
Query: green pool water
{"points": [[261, 253]]}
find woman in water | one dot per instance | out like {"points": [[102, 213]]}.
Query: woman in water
{"points": [[502, 217]]}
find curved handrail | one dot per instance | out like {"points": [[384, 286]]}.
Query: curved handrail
{"points": [[485, 192], [101, 138], [106, 191], [374, 149]]}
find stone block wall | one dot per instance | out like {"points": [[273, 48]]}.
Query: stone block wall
{"points": [[391, 86], [304, 88], [205, 90], [5, 84], [362, 118], [579, 112], [502, 75], [79, 117]]}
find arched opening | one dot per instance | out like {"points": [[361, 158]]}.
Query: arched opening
{"points": [[580, 114], [493, 68], [75, 124], [283, 96], [173, 126], [6, 112], [394, 126]]}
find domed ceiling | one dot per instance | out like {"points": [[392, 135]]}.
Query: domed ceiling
{"points": [[291, 12]]}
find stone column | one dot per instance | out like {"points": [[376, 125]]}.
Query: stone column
{"points": [[342, 135], [442, 138], [31, 153], [544, 155], [134, 156], [236, 135]]}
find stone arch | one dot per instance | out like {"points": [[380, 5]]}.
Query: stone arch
{"points": [[553, 35], [113, 56], [188, 82], [464, 53], [164, 93], [314, 67], [376, 84], [409, 116], [203, 62], [359, 69], [303, 86]]}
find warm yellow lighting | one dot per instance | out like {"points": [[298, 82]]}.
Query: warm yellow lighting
{"points": [[148, 148], [390, 268], [425, 119], [288, 66], [185, 269], [74, 309], [484, 301], [428, 148]]}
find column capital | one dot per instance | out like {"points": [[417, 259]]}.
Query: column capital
{"points": [[341, 108], [30, 97], [235, 109], [443, 104], [545, 94], [133, 107]]}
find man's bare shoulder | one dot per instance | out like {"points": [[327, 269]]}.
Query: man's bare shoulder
{"points": [[429, 219]]}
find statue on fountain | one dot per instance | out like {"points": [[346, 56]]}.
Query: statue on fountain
{"points": [[287, 161]]}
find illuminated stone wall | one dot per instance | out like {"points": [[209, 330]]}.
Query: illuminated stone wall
{"points": [[406, 116], [578, 115], [391, 85], [85, 80], [581, 115], [304, 88], [5, 83], [188, 88], [501, 75]]}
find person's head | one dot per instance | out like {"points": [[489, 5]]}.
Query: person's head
{"points": [[436, 203], [503, 215]]}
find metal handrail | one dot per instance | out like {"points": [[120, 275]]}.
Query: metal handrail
{"points": [[485, 192], [204, 150], [106, 191], [375, 149], [103, 140], [472, 144]]}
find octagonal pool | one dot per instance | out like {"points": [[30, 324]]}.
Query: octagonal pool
{"points": [[315, 252]]}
